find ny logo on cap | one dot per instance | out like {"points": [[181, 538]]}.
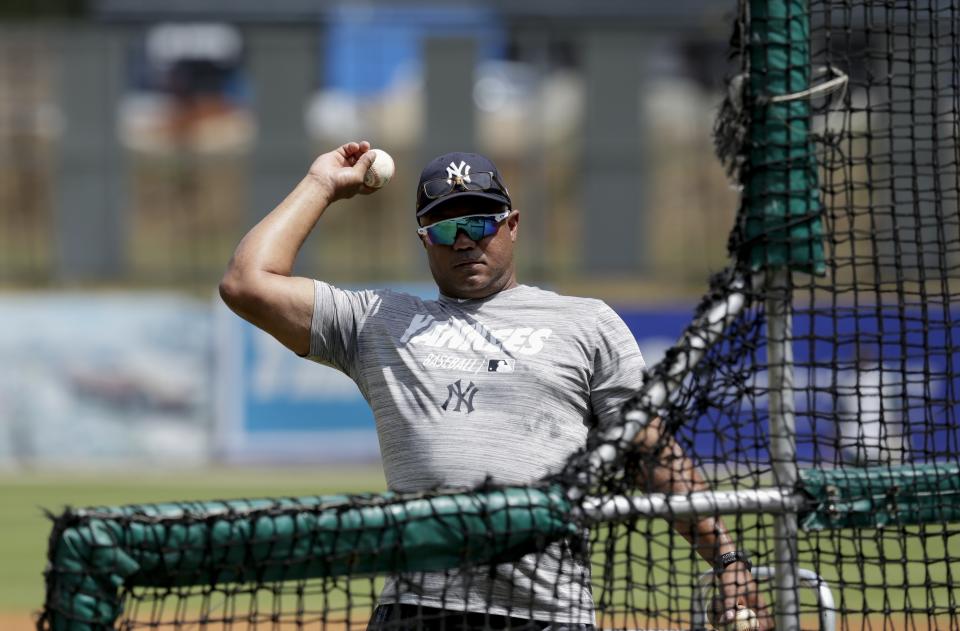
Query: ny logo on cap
{"points": [[458, 174]]}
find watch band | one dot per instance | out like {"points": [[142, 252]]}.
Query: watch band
{"points": [[729, 558]]}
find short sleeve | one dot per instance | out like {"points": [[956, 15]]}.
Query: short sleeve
{"points": [[617, 366], [338, 319]]}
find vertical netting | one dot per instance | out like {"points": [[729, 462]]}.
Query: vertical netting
{"points": [[843, 130]]}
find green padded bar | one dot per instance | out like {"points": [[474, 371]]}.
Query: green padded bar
{"points": [[874, 497], [94, 553], [781, 198]]}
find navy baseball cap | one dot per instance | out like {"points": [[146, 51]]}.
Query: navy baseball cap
{"points": [[459, 174]]}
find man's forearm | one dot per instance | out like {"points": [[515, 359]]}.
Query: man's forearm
{"points": [[669, 470], [665, 468], [708, 535]]}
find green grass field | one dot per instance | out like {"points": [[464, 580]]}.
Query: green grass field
{"points": [[870, 571]]}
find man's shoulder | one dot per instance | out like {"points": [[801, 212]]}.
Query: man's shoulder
{"points": [[554, 299]]}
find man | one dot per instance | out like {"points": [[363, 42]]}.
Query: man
{"points": [[491, 379]]}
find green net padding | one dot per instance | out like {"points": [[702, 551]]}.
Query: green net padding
{"points": [[97, 553], [876, 497], [781, 207]]}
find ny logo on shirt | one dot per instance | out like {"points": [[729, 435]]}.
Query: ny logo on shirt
{"points": [[463, 397]]}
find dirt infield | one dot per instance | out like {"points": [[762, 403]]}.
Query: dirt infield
{"points": [[17, 622]]}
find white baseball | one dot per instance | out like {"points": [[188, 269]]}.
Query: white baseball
{"points": [[744, 620], [380, 171]]}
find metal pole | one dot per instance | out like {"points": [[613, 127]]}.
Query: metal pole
{"points": [[783, 445], [698, 505]]}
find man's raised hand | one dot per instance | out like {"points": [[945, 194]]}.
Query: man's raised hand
{"points": [[341, 171]]}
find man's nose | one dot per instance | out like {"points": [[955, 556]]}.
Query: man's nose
{"points": [[463, 242]]}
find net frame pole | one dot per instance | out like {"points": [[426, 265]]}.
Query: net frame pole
{"points": [[783, 444], [698, 504]]}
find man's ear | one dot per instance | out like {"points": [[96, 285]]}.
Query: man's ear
{"points": [[513, 222]]}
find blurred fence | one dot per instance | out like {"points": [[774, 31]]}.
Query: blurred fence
{"points": [[137, 152]]}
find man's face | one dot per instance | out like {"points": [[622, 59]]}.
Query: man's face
{"points": [[468, 268]]}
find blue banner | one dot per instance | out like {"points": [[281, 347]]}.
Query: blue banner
{"points": [[871, 385]]}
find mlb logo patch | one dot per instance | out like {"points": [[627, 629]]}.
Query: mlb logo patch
{"points": [[500, 365]]}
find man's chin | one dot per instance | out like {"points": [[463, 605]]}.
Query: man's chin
{"points": [[476, 282], [472, 286]]}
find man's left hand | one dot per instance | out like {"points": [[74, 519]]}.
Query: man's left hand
{"points": [[737, 588]]}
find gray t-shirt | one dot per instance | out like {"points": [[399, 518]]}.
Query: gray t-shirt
{"points": [[505, 386]]}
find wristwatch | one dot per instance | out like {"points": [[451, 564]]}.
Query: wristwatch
{"points": [[729, 558]]}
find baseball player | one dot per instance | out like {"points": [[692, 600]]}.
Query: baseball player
{"points": [[493, 379]]}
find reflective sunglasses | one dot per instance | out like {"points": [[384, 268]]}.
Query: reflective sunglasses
{"points": [[479, 181], [476, 227]]}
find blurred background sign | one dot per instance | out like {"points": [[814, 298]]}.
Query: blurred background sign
{"points": [[104, 380]]}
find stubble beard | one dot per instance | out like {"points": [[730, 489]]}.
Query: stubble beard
{"points": [[480, 288]]}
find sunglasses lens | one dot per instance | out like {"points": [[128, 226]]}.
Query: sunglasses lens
{"points": [[476, 228], [480, 227], [443, 233]]}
